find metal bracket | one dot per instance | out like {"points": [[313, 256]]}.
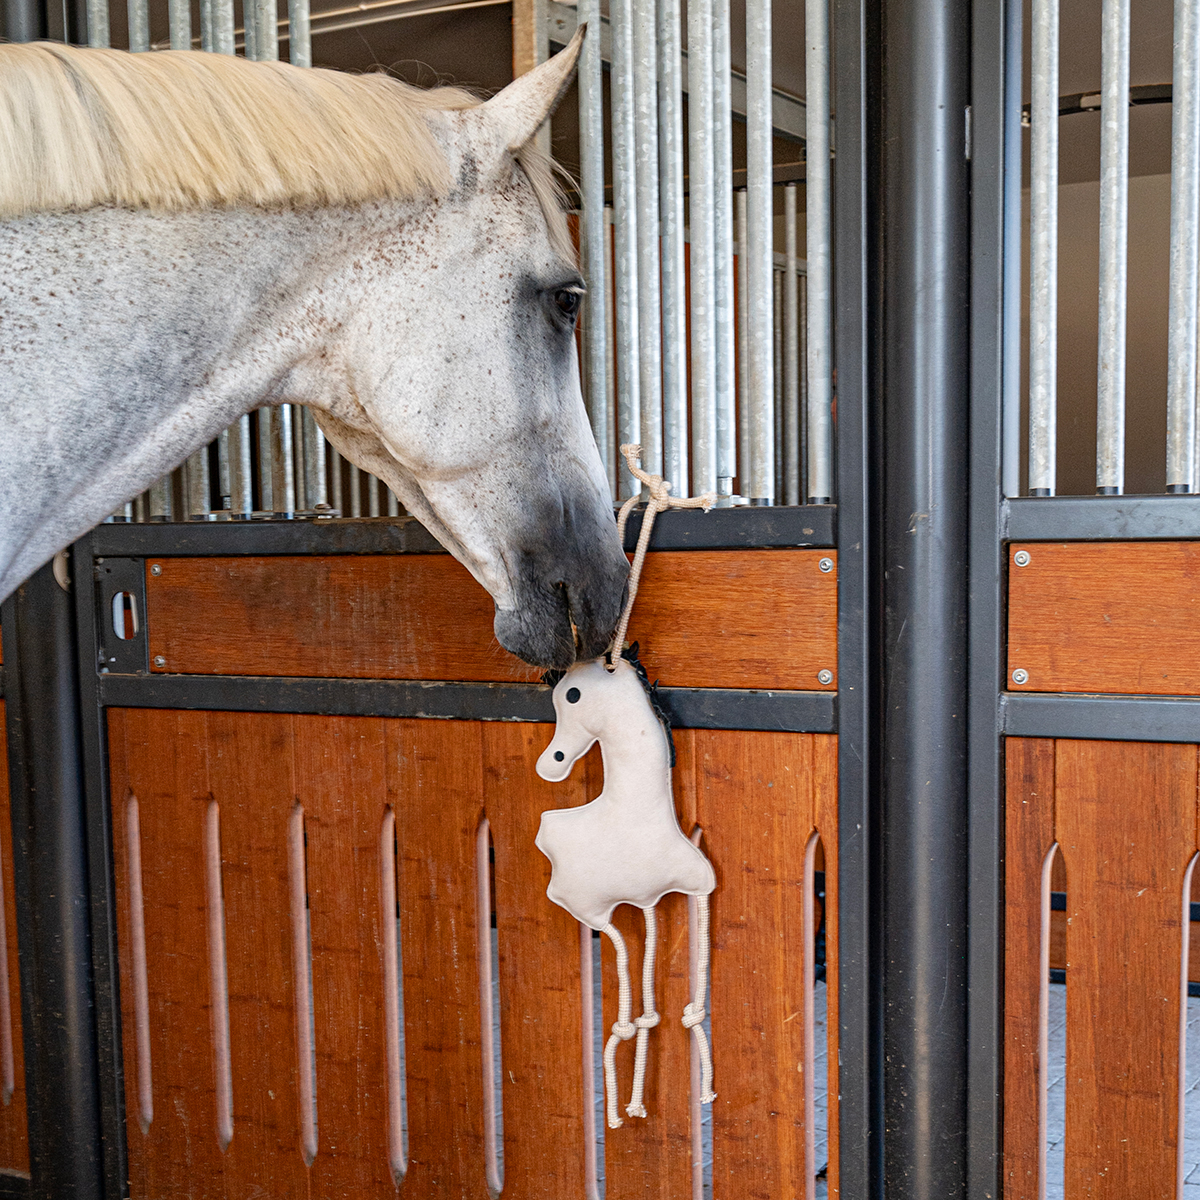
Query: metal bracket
{"points": [[121, 607]]}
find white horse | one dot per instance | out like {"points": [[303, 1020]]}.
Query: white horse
{"points": [[184, 237]]}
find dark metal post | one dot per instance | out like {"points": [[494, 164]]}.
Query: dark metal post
{"points": [[24, 20], [924, 240], [52, 887]]}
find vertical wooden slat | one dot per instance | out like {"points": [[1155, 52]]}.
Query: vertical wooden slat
{"points": [[755, 803], [1029, 834], [342, 784], [435, 786], [14, 1133], [1125, 821], [540, 991], [825, 803]]}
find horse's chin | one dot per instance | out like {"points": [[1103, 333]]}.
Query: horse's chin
{"points": [[542, 635]]}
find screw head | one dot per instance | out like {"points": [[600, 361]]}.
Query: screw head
{"points": [[156, 569], [825, 677], [1020, 675], [826, 565], [159, 661], [1021, 558]]}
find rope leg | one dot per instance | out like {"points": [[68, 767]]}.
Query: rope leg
{"points": [[693, 1013], [623, 1029], [648, 1019]]}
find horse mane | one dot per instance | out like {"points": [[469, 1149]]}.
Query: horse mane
{"points": [[177, 130]]}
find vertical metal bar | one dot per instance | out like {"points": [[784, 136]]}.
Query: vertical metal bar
{"points": [[1043, 250], [221, 20], [674, 276], [373, 487], [818, 238], [1114, 237], [199, 488], [250, 28], [393, 504], [207, 25], [353, 482], [97, 23], [139, 25], [160, 500], [284, 461], [336, 500], [701, 214], [266, 31], [224, 471], [645, 134], [593, 230], [610, 343], [316, 480], [242, 483], [743, 345], [624, 169], [266, 459], [1185, 218], [1011, 171], [791, 351], [760, 254], [725, 365], [300, 34], [180, 17], [777, 376], [802, 371]]}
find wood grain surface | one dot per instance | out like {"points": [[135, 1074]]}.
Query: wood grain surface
{"points": [[1118, 617], [14, 1132], [757, 798], [753, 618]]}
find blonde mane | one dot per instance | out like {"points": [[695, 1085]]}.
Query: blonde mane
{"points": [[177, 130]]}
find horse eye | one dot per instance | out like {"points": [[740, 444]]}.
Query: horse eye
{"points": [[572, 695], [568, 301]]}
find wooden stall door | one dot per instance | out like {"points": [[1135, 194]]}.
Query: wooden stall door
{"points": [[271, 867]]}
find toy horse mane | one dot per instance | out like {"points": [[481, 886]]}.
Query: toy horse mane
{"points": [[630, 654]]}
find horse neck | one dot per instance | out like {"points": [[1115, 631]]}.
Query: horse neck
{"points": [[634, 765]]}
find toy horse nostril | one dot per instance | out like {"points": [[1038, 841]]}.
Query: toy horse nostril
{"points": [[558, 756], [572, 695]]}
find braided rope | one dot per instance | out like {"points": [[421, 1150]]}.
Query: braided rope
{"points": [[623, 1029], [648, 1019], [693, 1013]]}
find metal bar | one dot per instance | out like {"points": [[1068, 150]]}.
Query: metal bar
{"points": [[1043, 250], [777, 377], [818, 227], [266, 31], [701, 213], [593, 231], [1114, 238], [924, 339], [250, 28], [791, 352], [1098, 518], [336, 499], [283, 460], [393, 504], [97, 24], [316, 477], [759, 250], [224, 471], [1185, 255], [222, 26], [1104, 718], [649, 300], [674, 276], [139, 25], [1014, 58], [354, 483], [266, 474], [610, 345], [242, 483], [725, 365], [373, 489], [787, 110], [299, 34], [179, 14], [160, 500], [199, 487], [207, 26], [25, 20], [743, 345], [624, 173], [54, 943]]}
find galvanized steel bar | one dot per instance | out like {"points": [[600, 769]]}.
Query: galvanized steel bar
{"points": [[336, 499], [97, 23], [760, 264], [222, 36], [701, 213], [1043, 250], [725, 368], [299, 34], [645, 136], [316, 480], [819, 237], [139, 25], [777, 376], [1114, 238], [160, 505], [393, 504], [373, 490], [179, 14], [610, 347], [266, 30], [266, 473], [355, 485], [224, 471], [624, 171], [250, 28], [593, 231], [791, 351], [674, 276], [242, 481], [207, 25], [199, 490], [284, 461], [743, 341], [1185, 217]]}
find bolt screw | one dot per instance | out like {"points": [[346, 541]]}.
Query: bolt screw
{"points": [[826, 565], [156, 569], [824, 676], [159, 661], [1021, 558], [1020, 675]]}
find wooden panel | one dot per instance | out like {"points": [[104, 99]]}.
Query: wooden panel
{"points": [[1029, 834], [762, 619], [14, 1133], [1106, 617], [1126, 823], [825, 802]]}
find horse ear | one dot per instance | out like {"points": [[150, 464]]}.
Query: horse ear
{"points": [[521, 108]]}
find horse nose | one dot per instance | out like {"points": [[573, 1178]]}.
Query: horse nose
{"points": [[596, 597]]}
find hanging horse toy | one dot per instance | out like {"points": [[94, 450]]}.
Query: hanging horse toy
{"points": [[626, 847]]}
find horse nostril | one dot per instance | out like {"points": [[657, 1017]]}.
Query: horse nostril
{"points": [[558, 756]]}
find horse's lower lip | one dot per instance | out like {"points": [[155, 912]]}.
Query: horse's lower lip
{"points": [[542, 638]]}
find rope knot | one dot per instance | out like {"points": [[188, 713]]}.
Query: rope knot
{"points": [[624, 1030], [693, 1015], [647, 1020], [635, 1110]]}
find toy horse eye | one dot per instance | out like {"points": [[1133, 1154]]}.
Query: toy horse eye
{"points": [[558, 756], [572, 695]]}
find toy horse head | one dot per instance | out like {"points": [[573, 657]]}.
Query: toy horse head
{"points": [[593, 704]]}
